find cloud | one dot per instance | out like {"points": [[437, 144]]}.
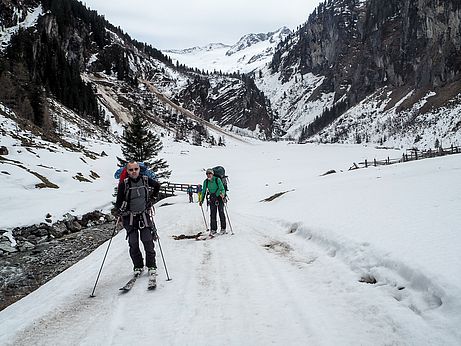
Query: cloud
{"points": [[183, 24]]}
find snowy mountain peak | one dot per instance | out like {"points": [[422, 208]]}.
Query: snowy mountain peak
{"points": [[251, 39], [251, 52], [195, 50]]}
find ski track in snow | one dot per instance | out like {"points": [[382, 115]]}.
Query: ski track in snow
{"points": [[272, 288]]}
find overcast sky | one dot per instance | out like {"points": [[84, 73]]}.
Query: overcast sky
{"points": [[188, 23]]}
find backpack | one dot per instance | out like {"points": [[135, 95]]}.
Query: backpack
{"points": [[220, 172], [121, 173]]}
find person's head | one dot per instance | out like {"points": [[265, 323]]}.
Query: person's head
{"points": [[132, 169], [209, 173]]}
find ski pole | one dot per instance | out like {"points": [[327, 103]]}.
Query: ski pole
{"points": [[160, 247], [105, 255], [228, 219], [204, 219], [163, 259]]}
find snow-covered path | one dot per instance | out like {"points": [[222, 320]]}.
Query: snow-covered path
{"points": [[290, 274], [260, 286]]}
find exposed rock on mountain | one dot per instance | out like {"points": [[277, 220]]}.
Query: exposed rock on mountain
{"points": [[251, 39], [74, 55], [238, 104], [362, 47]]}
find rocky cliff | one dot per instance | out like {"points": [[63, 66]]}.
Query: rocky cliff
{"points": [[362, 46]]}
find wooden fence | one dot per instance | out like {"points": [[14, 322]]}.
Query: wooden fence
{"points": [[410, 155], [167, 189]]}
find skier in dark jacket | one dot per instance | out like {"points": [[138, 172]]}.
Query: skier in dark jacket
{"points": [[217, 193], [135, 195], [190, 192]]}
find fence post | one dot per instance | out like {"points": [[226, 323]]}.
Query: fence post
{"points": [[374, 162], [366, 163]]}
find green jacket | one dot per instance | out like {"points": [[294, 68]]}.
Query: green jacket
{"points": [[214, 186]]}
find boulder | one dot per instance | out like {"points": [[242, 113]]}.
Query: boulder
{"points": [[73, 226], [5, 245], [59, 229]]}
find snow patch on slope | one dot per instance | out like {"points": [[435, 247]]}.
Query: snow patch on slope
{"points": [[373, 121], [30, 20]]}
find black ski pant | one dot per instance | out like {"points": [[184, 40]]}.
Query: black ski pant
{"points": [[217, 205], [133, 235]]}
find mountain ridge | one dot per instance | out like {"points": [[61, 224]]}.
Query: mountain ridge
{"points": [[248, 54], [70, 41]]}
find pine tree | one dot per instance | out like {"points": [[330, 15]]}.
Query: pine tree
{"points": [[141, 145]]}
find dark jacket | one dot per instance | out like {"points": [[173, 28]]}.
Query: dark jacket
{"points": [[152, 186]]}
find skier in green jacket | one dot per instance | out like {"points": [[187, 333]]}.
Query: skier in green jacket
{"points": [[217, 193]]}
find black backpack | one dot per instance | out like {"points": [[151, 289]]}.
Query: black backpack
{"points": [[220, 172]]}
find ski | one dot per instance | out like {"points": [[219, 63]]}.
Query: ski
{"points": [[129, 285], [206, 237], [152, 283]]}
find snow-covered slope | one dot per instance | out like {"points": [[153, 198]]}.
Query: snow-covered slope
{"points": [[40, 176], [291, 273], [378, 120], [251, 52]]}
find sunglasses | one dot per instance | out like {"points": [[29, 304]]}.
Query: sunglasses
{"points": [[132, 169], [209, 173]]}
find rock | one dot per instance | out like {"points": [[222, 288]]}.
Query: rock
{"points": [[26, 246], [5, 245], [93, 216], [24, 231], [40, 232], [73, 226], [59, 229], [32, 239], [68, 217], [43, 239], [3, 150], [110, 217]]}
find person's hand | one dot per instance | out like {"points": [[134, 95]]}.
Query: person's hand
{"points": [[117, 213]]}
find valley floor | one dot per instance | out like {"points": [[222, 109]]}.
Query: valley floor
{"points": [[290, 275]]}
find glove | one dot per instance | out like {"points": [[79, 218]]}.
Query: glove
{"points": [[117, 213]]}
